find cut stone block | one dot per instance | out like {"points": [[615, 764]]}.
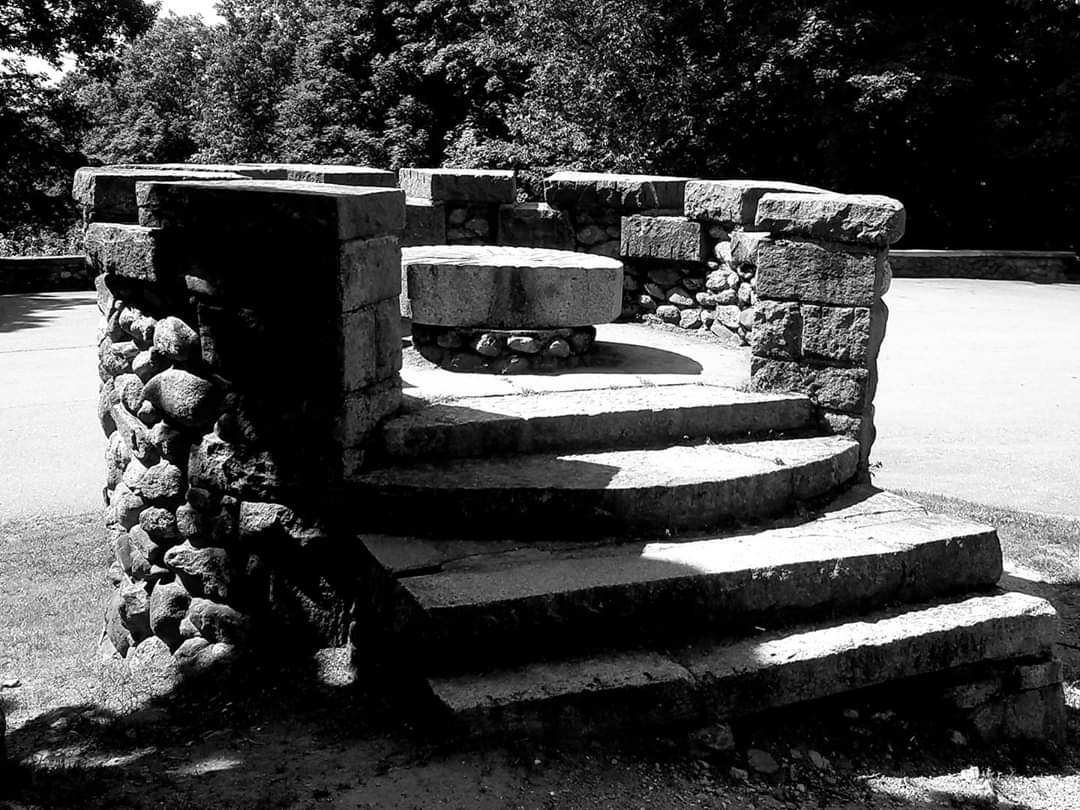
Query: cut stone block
{"points": [[674, 239], [729, 680], [108, 192], [274, 206], [534, 224], [626, 192], [637, 491], [369, 271], [371, 344], [252, 171], [632, 688], [317, 173], [829, 273], [850, 335], [131, 251], [425, 223], [510, 288], [777, 330], [363, 411], [576, 420], [505, 604], [734, 202], [861, 218], [843, 389], [790, 331], [459, 185]]}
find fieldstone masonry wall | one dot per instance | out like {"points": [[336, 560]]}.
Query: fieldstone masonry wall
{"points": [[250, 343], [797, 272]]}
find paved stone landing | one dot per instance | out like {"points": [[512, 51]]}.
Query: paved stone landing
{"points": [[623, 356]]}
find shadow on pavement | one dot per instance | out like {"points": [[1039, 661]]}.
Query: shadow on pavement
{"points": [[30, 311]]}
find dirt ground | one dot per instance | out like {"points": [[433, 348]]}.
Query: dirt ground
{"points": [[296, 741]]}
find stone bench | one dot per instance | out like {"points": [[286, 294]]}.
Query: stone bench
{"points": [[507, 309]]}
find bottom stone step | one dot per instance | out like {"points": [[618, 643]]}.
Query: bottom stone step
{"points": [[717, 680]]}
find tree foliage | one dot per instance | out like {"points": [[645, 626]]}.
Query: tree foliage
{"points": [[969, 115], [39, 125]]}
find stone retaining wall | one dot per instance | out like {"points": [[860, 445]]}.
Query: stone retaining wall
{"points": [[20, 274], [1044, 267], [249, 345]]}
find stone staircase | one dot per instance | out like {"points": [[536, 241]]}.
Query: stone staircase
{"points": [[588, 560]]}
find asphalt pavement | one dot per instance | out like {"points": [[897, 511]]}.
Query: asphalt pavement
{"points": [[979, 392], [51, 448], [979, 397]]}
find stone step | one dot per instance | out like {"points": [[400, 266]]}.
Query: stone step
{"points": [[581, 420], [630, 492], [718, 680], [459, 602]]}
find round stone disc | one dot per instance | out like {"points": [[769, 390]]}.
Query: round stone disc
{"points": [[509, 287]]}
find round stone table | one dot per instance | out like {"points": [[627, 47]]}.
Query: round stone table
{"points": [[507, 309]]}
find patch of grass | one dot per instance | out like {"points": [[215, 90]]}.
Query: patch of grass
{"points": [[53, 593], [1047, 544]]}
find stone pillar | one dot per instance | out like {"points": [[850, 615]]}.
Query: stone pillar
{"points": [[822, 269], [250, 346], [455, 206]]}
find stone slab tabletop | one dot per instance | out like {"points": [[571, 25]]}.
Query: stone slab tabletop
{"points": [[625, 355], [509, 287]]}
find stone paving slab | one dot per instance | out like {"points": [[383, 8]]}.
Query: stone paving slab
{"points": [[718, 680], [624, 356], [672, 488], [564, 420]]}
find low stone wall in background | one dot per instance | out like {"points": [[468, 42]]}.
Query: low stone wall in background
{"points": [[23, 274], [1044, 267]]}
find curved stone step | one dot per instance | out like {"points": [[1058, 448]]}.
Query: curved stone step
{"points": [[630, 492], [580, 420], [716, 680], [872, 549]]}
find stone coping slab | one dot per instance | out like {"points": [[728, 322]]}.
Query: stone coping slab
{"points": [[870, 219], [109, 191], [735, 202], [509, 288], [626, 192], [334, 211], [459, 185]]}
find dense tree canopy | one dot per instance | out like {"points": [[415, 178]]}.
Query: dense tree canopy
{"points": [[969, 115], [39, 126]]}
